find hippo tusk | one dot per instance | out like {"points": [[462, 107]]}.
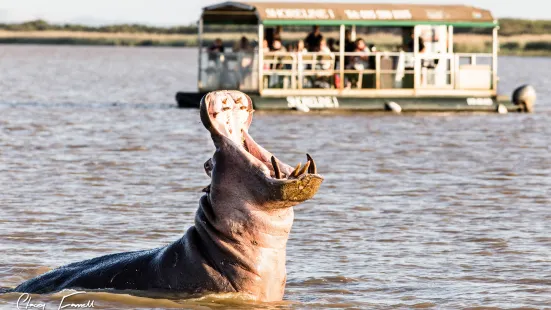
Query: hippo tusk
{"points": [[277, 171], [312, 169]]}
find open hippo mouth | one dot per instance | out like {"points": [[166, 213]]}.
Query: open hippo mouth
{"points": [[228, 116]]}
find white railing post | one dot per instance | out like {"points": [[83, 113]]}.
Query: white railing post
{"points": [[341, 57], [495, 49], [417, 61], [377, 70]]}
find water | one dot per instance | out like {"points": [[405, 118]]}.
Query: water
{"points": [[425, 211]]}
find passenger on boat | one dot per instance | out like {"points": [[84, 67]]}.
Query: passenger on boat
{"points": [[291, 48], [217, 46], [265, 46], [357, 62], [331, 44], [278, 47], [301, 49], [243, 45], [215, 50], [411, 47], [269, 36], [278, 33], [349, 46], [313, 39], [324, 49], [244, 51]]}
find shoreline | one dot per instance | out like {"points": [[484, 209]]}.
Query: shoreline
{"points": [[520, 45]]}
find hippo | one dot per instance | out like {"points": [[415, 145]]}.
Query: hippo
{"points": [[238, 241]]}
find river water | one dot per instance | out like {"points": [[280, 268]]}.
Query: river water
{"points": [[417, 211]]}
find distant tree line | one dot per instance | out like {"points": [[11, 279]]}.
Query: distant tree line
{"points": [[508, 27], [42, 25]]}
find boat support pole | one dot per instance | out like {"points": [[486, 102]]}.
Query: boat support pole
{"points": [[260, 57], [495, 49], [200, 43]]}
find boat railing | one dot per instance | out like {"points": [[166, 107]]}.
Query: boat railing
{"points": [[475, 71], [228, 70], [378, 70], [361, 71]]}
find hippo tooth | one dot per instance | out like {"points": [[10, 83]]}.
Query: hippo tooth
{"points": [[277, 171], [312, 169], [304, 169], [294, 173]]}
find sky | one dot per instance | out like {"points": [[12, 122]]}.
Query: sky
{"points": [[185, 12]]}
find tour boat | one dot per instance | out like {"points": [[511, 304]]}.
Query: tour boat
{"points": [[427, 76]]}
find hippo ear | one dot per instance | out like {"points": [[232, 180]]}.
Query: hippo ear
{"points": [[204, 112]]}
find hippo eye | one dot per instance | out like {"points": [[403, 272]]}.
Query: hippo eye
{"points": [[243, 107], [225, 108]]}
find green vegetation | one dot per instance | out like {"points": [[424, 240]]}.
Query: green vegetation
{"points": [[511, 27], [41, 25], [518, 37], [99, 41]]}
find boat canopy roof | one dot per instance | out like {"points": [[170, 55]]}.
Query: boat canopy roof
{"points": [[334, 14]]}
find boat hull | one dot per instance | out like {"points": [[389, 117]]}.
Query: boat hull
{"points": [[398, 104]]}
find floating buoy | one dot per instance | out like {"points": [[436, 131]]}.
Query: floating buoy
{"points": [[302, 108], [501, 109], [525, 97], [393, 106]]}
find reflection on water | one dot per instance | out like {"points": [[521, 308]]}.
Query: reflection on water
{"points": [[416, 211]]}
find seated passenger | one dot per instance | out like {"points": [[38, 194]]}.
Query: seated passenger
{"points": [[278, 47], [243, 45], [331, 43], [265, 46], [217, 46], [357, 61], [214, 50], [301, 49], [324, 49]]}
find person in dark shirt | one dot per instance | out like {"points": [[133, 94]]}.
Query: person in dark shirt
{"points": [[411, 44], [269, 36], [331, 43], [217, 46], [313, 39], [349, 46]]}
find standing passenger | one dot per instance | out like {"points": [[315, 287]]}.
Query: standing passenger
{"points": [[313, 39]]}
